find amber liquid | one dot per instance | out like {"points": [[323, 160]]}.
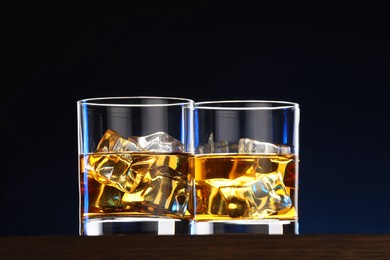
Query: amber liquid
{"points": [[135, 184], [244, 187]]}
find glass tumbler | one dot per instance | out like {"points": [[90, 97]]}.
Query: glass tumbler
{"points": [[246, 167], [135, 165]]}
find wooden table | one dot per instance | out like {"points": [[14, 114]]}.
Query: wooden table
{"points": [[197, 247]]}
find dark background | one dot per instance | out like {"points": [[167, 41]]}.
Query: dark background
{"points": [[333, 60]]}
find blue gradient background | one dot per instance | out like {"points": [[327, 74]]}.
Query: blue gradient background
{"points": [[333, 60]]}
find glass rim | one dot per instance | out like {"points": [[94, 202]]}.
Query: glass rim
{"points": [[99, 101], [280, 104]]}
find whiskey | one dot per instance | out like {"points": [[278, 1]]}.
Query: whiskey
{"points": [[141, 184], [244, 187]]}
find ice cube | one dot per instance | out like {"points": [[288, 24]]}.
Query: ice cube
{"points": [[123, 145], [160, 142], [150, 182], [246, 145], [255, 197], [214, 146], [284, 149], [114, 142], [108, 141], [162, 187], [109, 199], [209, 198], [110, 170], [123, 173]]}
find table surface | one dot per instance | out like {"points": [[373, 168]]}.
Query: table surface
{"points": [[194, 247]]}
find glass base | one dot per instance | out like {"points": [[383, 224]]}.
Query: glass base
{"points": [[265, 227], [124, 226], [159, 226]]}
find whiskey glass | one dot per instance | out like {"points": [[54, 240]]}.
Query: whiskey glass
{"points": [[246, 167], [135, 165]]}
